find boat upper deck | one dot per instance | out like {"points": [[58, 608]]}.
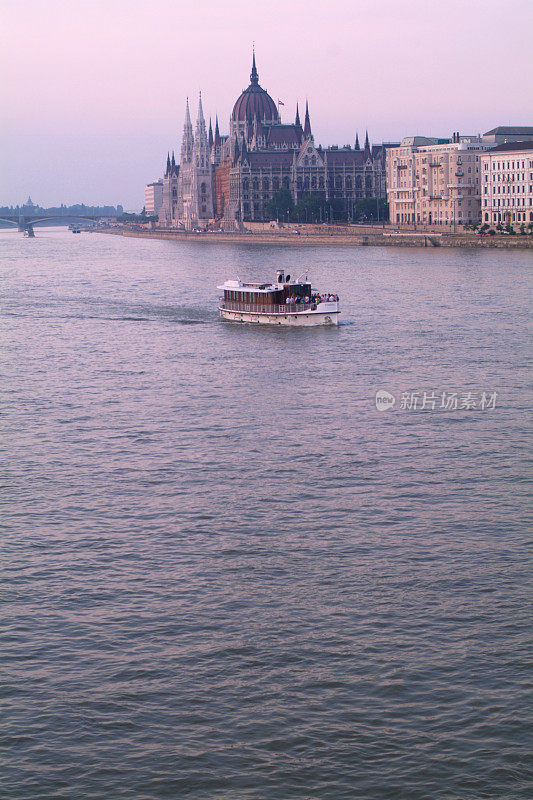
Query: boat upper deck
{"points": [[284, 296]]}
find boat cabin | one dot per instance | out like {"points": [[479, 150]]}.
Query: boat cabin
{"points": [[259, 295]]}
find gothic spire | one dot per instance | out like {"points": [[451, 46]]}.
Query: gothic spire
{"points": [[187, 142], [168, 165], [367, 142], [200, 111], [357, 145], [217, 132], [254, 77], [201, 153], [210, 134], [297, 120], [307, 123]]}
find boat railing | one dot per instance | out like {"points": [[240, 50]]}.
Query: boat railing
{"points": [[271, 308]]}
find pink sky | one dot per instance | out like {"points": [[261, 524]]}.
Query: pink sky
{"points": [[94, 91]]}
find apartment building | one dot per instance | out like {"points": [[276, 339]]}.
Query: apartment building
{"points": [[507, 184], [435, 181], [153, 197]]}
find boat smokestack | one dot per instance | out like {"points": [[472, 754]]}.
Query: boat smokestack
{"points": [[280, 273]]}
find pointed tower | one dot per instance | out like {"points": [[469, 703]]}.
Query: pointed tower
{"points": [[201, 181], [216, 150], [201, 143], [210, 137], [187, 143], [307, 123], [367, 143], [166, 213], [297, 120], [357, 145], [254, 77]]}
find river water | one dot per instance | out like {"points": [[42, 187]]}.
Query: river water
{"points": [[226, 574]]}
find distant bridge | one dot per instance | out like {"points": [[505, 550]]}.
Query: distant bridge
{"points": [[25, 223]]}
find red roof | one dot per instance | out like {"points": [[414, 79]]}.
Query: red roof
{"points": [[254, 102], [282, 134], [274, 158], [348, 158]]}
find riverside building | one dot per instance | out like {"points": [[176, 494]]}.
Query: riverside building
{"points": [[434, 181], [507, 184], [231, 178], [153, 197]]}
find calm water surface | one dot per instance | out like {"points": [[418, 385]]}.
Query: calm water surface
{"points": [[226, 575]]}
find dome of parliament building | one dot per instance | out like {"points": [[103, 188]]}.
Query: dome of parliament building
{"points": [[254, 102]]}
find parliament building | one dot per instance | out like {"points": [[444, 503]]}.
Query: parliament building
{"points": [[227, 180]]}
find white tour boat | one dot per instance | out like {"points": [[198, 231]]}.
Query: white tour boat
{"points": [[285, 302]]}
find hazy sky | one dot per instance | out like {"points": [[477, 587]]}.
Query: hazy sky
{"points": [[94, 90]]}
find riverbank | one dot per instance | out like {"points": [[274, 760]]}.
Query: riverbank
{"points": [[337, 237]]}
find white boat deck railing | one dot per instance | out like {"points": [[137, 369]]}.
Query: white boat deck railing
{"points": [[284, 308]]}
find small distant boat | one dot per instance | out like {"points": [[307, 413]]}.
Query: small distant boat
{"points": [[285, 302], [76, 230]]}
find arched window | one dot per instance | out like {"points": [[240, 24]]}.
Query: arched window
{"points": [[348, 181], [358, 182], [313, 161], [203, 188], [286, 182], [266, 185], [321, 182], [299, 184], [313, 182], [306, 161], [338, 182], [368, 182], [275, 184], [245, 185], [255, 184]]}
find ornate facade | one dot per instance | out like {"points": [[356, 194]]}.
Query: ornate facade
{"points": [[230, 179]]}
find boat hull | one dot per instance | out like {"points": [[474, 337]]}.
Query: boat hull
{"points": [[300, 319]]}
